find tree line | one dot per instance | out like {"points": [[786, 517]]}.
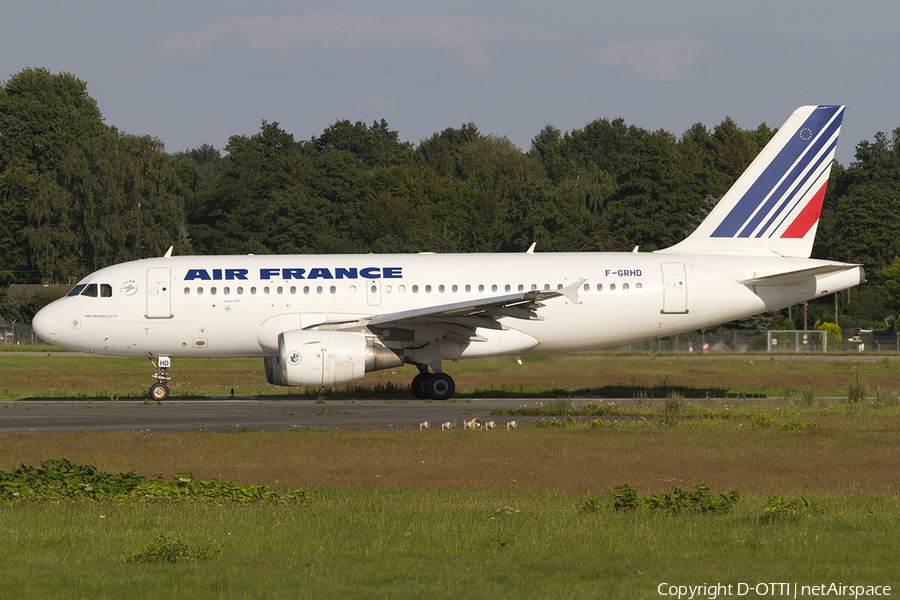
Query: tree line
{"points": [[77, 194]]}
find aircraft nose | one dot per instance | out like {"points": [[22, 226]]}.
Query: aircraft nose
{"points": [[44, 323]]}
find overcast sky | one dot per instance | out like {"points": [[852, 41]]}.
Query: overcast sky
{"points": [[191, 73]]}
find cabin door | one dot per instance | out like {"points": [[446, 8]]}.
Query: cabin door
{"points": [[674, 289], [159, 293]]}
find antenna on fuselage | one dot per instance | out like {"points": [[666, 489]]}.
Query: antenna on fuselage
{"points": [[168, 253]]}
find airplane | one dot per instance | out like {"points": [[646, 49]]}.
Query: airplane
{"points": [[323, 320]]}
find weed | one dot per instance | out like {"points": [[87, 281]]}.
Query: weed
{"points": [[799, 425], [857, 387], [672, 409], [779, 508], [591, 505], [761, 421], [167, 550], [807, 395], [676, 501], [625, 498], [58, 479], [885, 397], [700, 500]]}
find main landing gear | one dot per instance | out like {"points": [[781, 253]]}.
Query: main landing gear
{"points": [[159, 391], [434, 386]]}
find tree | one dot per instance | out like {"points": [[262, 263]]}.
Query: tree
{"points": [[18, 185], [42, 116], [114, 198], [373, 146], [228, 216]]}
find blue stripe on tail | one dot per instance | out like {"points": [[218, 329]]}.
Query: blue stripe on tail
{"points": [[805, 143]]}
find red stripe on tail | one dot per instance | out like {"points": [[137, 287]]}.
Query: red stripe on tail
{"points": [[807, 217]]}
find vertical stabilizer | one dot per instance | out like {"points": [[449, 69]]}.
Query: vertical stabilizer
{"points": [[774, 207]]}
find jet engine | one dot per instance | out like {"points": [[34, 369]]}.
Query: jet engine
{"points": [[317, 358]]}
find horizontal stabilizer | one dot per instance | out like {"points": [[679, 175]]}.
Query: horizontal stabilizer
{"points": [[797, 276]]}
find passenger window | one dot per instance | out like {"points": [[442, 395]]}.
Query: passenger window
{"points": [[333, 289], [599, 287], [265, 289], [468, 288], [455, 289], [507, 287], [280, 290], [187, 291], [428, 289], [480, 287], [212, 291], [226, 290], [105, 290], [401, 289], [638, 286], [624, 286], [240, 291], [90, 290], [441, 288], [587, 287], [612, 287], [319, 289], [521, 288], [494, 287], [415, 289], [293, 289], [253, 290], [199, 291], [546, 287], [533, 287], [305, 289]]}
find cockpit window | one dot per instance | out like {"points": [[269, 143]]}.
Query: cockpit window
{"points": [[90, 290], [105, 290], [77, 289]]}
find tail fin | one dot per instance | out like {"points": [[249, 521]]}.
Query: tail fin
{"points": [[773, 208]]}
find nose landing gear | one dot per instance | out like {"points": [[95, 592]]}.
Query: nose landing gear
{"points": [[159, 391]]}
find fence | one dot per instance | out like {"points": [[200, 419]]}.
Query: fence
{"points": [[17, 334], [774, 342]]}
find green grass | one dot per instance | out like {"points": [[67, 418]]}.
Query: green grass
{"points": [[385, 542], [68, 375]]}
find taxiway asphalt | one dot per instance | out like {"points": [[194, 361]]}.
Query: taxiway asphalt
{"points": [[224, 414]]}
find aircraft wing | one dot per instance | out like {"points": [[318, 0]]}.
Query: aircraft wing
{"points": [[460, 319]]}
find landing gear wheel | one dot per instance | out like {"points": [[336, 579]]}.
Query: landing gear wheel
{"points": [[418, 386], [159, 391], [440, 386]]}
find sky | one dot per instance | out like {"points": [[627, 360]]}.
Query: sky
{"points": [[193, 73]]}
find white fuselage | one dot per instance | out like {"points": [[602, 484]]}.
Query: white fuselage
{"points": [[236, 306]]}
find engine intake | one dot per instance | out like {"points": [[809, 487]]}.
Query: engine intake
{"points": [[319, 358]]}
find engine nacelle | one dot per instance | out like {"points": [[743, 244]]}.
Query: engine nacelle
{"points": [[318, 358]]}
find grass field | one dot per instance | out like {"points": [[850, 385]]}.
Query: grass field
{"points": [[525, 513], [70, 375]]}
